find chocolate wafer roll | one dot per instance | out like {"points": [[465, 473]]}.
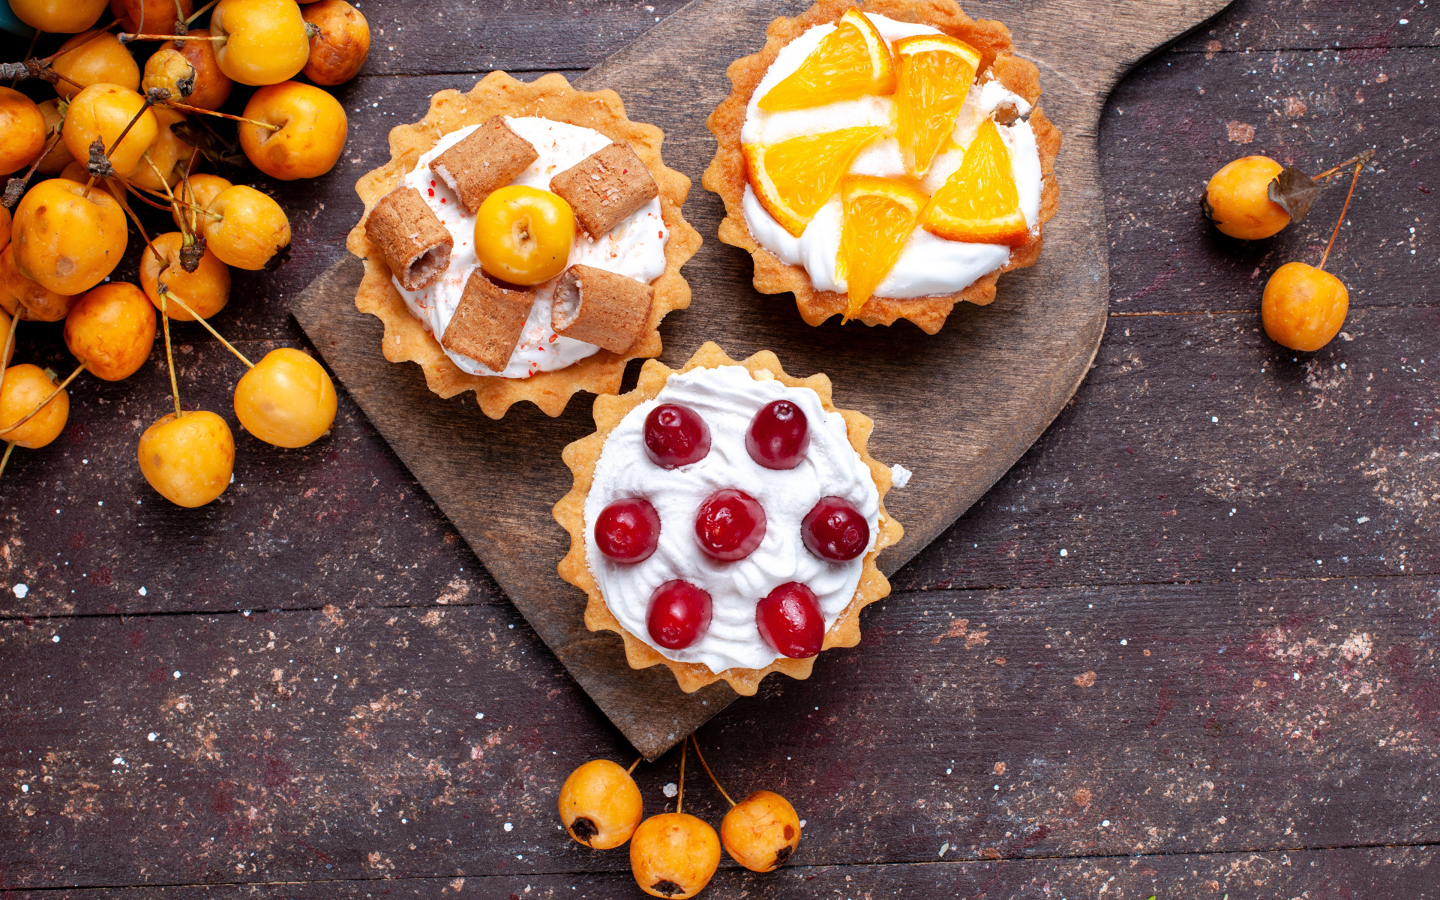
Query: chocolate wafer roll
{"points": [[488, 321], [415, 245], [600, 307], [606, 187], [488, 158]]}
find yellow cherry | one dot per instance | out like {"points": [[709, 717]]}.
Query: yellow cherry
{"points": [[287, 399], [188, 459], [111, 330], [1303, 307], [523, 235], [26, 387]]}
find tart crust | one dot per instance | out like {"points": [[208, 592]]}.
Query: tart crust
{"points": [[726, 174], [408, 340], [583, 455]]}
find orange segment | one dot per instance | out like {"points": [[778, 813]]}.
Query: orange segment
{"points": [[979, 203], [880, 216], [851, 61], [933, 77], [794, 178]]}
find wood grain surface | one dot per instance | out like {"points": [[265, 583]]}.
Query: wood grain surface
{"points": [[957, 409], [1208, 767]]}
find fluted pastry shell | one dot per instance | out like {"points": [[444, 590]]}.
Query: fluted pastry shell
{"points": [[408, 340], [726, 174], [583, 455]]}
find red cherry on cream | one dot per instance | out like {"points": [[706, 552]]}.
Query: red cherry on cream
{"points": [[834, 529], [789, 620], [675, 436], [779, 435], [679, 615], [730, 525], [627, 531]]}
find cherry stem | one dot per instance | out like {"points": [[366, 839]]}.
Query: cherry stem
{"points": [[126, 37], [169, 354], [4, 460], [637, 762], [1354, 180], [713, 779], [35, 39], [115, 146], [680, 799], [199, 12], [165, 291], [9, 344], [173, 104], [1359, 157], [46, 402]]}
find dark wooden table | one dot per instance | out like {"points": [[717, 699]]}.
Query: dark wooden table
{"points": [[1186, 648]]}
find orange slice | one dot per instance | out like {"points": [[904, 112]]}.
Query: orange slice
{"points": [[880, 216], [794, 178], [933, 76], [851, 61], [979, 203]]}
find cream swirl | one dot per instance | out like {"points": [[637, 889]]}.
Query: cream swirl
{"points": [[728, 398], [636, 247]]}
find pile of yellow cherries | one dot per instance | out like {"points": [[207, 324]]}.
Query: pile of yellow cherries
{"points": [[122, 131], [674, 855]]}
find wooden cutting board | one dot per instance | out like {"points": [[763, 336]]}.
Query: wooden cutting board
{"points": [[958, 408]]}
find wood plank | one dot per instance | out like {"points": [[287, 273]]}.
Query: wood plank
{"points": [[1166, 132], [1198, 450], [338, 522], [1362, 30], [1134, 482], [1001, 373], [1315, 874], [1018, 723]]}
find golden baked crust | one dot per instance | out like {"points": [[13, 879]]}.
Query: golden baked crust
{"points": [[583, 455], [726, 174], [408, 340]]}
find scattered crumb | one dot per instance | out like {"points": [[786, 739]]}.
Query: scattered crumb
{"points": [[1212, 48], [999, 768], [1086, 680], [1239, 132], [1081, 797], [1295, 107]]}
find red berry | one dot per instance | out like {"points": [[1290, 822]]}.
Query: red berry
{"points": [[679, 615], [628, 531], [731, 524], [675, 436], [779, 435], [790, 621], [834, 529]]}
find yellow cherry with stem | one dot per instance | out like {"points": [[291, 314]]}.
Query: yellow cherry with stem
{"points": [[286, 399], [674, 855], [760, 832], [600, 805], [1303, 306], [111, 330], [188, 457]]}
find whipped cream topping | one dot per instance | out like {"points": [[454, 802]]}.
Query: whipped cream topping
{"points": [[635, 248], [728, 398], [929, 265]]}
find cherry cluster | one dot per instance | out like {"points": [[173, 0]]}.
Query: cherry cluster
{"points": [[729, 526]]}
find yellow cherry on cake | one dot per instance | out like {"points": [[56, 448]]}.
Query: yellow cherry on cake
{"points": [[524, 242], [884, 161]]}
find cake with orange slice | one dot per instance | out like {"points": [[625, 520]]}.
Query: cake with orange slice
{"points": [[884, 160]]}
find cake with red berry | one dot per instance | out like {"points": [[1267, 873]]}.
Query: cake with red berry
{"points": [[725, 520], [523, 242]]}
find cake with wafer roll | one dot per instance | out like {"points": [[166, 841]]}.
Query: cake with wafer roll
{"points": [[501, 201]]}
